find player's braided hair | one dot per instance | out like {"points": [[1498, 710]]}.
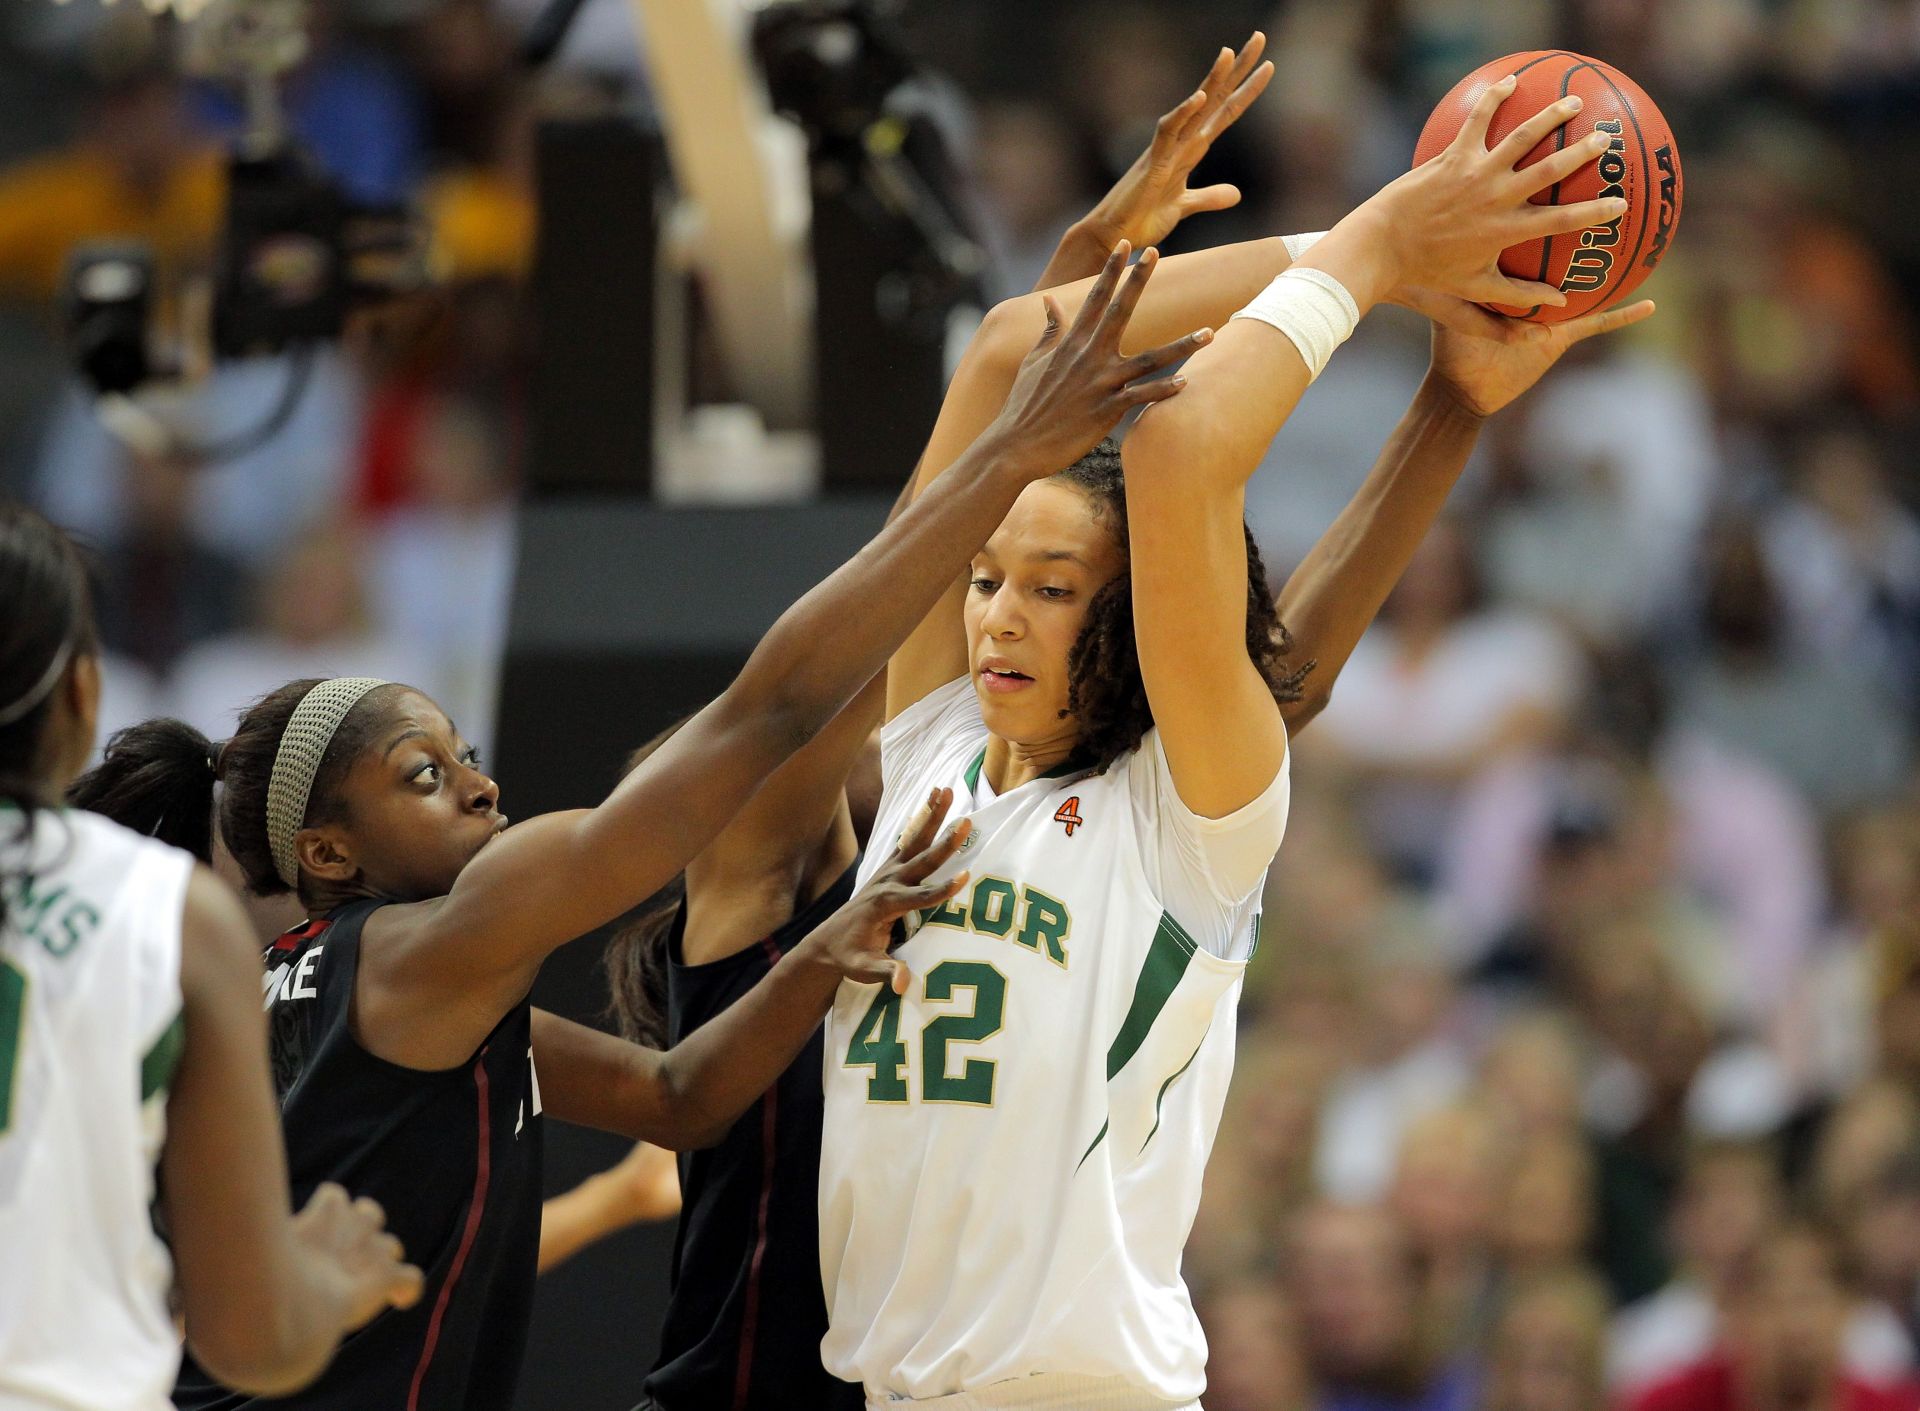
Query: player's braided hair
{"points": [[1104, 687], [46, 621], [158, 778]]}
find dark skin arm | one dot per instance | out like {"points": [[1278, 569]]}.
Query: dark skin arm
{"points": [[268, 1294], [690, 1094], [436, 976], [1335, 593]]}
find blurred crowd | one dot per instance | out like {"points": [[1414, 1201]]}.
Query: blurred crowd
{"points": [[1580, 1067]]}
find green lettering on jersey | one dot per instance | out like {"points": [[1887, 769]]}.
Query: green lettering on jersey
{"points": [[56, 921], [974, 1082], [13, 1018], [876, 1045], [946, 914], [1047, 924], [990, 910]]}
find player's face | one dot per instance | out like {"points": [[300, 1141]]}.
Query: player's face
{"points": [[1026, 603], [418, 808]]}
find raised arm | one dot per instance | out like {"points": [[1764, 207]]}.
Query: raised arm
{"points": [[268, 1295], [457, 962], [1151, 198], [1332, 597], [1442, 226]]}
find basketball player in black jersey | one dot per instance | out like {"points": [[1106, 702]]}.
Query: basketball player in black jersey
{"points": [[408, 1058]]}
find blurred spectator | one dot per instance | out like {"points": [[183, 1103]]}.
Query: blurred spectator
{"points": [[248, 501], [1452, 1170], [1827, 726], [1546, 1353], [1729, 1198], [1033, 184], [162, 589], [1409, 1064], [1253, 1349], [1352, 1276], [312, 621], [1609, 470], [1444, 685], [1530, 1077], [1543, 1217], [1846, 556], [1784, 1343], [141, 170], [1642, 807], [1661, 1081]]}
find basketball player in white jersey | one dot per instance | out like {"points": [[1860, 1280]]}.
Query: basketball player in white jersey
{"points": [[131, 1033], [1014, 1145]]}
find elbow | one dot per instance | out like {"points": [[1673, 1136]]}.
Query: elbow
{"points": [[1299, 714], [1005, 336], [688, 1122]]}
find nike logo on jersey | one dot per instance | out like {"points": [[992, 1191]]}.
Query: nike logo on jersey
{"points": [[293, 979]]}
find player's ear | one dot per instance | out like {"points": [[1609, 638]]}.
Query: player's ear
{"points": [[325, 853]]}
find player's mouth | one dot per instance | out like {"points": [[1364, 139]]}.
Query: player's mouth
{"points": [[1001, 678]]}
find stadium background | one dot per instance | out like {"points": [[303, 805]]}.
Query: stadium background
{"points": [[1593, 953]]}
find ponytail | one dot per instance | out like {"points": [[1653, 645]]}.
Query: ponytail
{"points": [[157, 778], [636, 964]]}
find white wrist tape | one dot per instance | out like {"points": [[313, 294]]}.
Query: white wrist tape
{"points": [[1312, 308], [1298, 245]]}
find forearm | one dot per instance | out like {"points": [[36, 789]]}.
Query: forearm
{"points": [[1332, 597], [715, 1073], [867, 608], [582, 1216]]}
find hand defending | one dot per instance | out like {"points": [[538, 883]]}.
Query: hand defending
{"points": [[1075, 385], [1152, 198], [856, 938]]}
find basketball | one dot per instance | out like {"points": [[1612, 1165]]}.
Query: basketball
{"points": [[1597, 267]]}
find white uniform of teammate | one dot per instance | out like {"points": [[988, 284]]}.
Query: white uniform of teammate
{"points": [[89, 1033], [1013, 1150]]}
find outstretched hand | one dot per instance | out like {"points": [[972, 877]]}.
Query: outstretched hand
{"points": [[1076, 384], [1152, 198], [856, 938], [1485, 365], [1448, 219]]}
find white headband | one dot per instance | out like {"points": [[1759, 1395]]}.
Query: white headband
{"points": [[302, 747], [40, 689]]}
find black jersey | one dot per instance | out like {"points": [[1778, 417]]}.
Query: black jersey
{"points": [[452, 1156], [747, 1314]]}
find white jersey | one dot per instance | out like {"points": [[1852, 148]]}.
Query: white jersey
{"points": [[90, 1029], [1013, 1150]]}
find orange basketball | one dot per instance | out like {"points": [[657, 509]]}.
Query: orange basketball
{"points": [[1597, 267]]}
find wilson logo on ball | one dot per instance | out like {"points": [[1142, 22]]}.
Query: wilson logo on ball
{"points": [[1589, 266]]}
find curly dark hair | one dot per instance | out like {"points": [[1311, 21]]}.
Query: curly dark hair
{"points": [[1104, 686]]}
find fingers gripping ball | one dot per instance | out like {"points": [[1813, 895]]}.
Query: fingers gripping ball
{"points": [[1597, 267]]}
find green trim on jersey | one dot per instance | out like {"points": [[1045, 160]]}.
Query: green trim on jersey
{"points": [[13, 1019], [1162, 1095], [1098, 1137], [157, 1068], [1059, 771], [1166, 963]]}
